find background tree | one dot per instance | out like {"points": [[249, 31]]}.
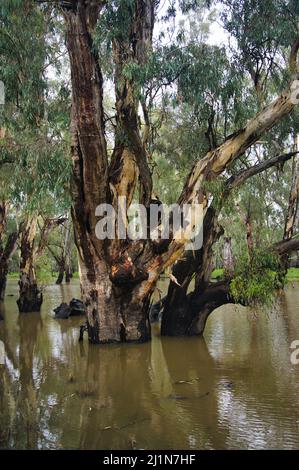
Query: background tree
{"points": [[34, 169]]}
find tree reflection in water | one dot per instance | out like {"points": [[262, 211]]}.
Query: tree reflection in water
{"points": [[236, 389]]}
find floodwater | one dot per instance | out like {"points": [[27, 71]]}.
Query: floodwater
{"points": [[234, 389]]}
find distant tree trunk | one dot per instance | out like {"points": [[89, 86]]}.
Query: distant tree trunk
{"points": [[68, 273], [246, 218], [3, 217], [227, 257], [30, 296], [3, 264], [293, 207], [68, 252], [249, 235], [60, 272], [6, 250], [4, 261], [63, 259]]}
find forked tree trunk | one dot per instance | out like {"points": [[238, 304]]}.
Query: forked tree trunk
{"points": [[30, 296], [192, 315], [116, 300], [186, 314]]}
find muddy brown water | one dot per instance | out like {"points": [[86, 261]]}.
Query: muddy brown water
{"points": [[234, 389]]}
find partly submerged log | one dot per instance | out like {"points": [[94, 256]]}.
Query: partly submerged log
{"points": [[62, 311], [74, 308]]}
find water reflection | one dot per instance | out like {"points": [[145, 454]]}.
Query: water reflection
{"points": [[236, 389]]}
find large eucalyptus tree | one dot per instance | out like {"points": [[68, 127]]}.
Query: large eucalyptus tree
{"points": [[119, 276]]}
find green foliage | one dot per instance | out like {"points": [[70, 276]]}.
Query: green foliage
{"points": [[36, 112], [22, 31], [264, 31], [217, 274], [44, 272], [255, 280]]}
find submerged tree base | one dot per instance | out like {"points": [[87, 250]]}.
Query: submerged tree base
{"points": [[30, 300]]}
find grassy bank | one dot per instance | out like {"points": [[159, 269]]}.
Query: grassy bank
{"points": [[293, 274], [45, 277]]}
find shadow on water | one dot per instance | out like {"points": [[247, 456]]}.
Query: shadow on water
{"points": [[234, 389]]}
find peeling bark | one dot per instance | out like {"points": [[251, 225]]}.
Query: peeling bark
{"points": [[176, 312], [115, 312]]}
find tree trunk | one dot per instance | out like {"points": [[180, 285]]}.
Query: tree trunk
{"points": [[3, 278], [114, 287], [7, 250], [249, 235], [68, 251], [30, 296], [63, 259], [60, 273], [227, 257], [5, 259], [177, 315], [115, 312], [179, 318], [293, 206], [68, 273], [3, 217]]}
